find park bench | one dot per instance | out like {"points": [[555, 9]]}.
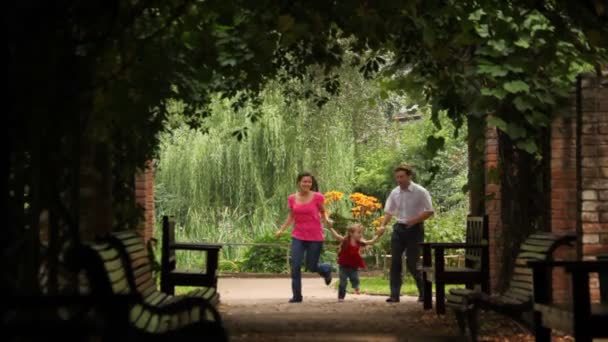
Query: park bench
{"points": [[517, 301], [581, 318], [171, 276], [476, 265], [125, 270]]}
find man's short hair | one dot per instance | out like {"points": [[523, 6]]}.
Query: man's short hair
{"points": [[405, 168]]}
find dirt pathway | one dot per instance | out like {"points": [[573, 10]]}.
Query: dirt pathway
{"points": [[257, 310]]}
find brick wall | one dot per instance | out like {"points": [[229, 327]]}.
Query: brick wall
{"points": [[144, 196], [563, 195], [492, 204], [593, 178], [594, 168]]}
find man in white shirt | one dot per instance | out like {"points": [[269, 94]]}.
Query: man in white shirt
{"points": [[411, 205]]}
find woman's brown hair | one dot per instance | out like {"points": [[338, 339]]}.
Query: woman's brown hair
{"points": [[315, 186]]}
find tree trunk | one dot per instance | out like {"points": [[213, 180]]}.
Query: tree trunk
{"points": [[476, 177], [524, 204]]}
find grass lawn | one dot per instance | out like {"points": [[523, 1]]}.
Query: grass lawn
{"points": [[380, 286]]}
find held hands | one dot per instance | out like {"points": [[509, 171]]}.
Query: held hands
{"points": [[380, 231]]}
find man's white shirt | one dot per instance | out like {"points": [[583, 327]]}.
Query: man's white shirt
{"points": [[405, 204]]}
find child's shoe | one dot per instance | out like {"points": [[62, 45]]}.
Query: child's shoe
{"points": [[357, 292]]}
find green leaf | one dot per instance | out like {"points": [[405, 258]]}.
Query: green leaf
{"points": [[497, 122], [528, 145], [492, 69], [523, 42], [428, 35], [521, 104], [515, 131], [476, 16], [538, 118], [498, 93], [513, 68], [434, 144], [494, 176], [483, 31], [516, 87], [498, 45]]}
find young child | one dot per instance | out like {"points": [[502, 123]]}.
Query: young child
{"points": [[349, 257]]}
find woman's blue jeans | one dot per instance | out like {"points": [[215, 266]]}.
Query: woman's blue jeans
{"points": [[312, 249]]}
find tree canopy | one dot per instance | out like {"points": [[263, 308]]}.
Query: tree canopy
{"points": [[90, 80]]}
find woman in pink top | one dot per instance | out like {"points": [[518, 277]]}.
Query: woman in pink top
{"points": [[306, 209]]}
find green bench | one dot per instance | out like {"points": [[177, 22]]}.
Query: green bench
{"points": [[476, 266], [581, 318], [517, 301], [171, 275], [121, 266]]}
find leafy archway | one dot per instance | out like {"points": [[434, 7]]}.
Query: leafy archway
{"points": [[90, 83]]}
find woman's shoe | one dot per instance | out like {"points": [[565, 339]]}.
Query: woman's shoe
{"points": [[327, 278], [295, 300], [392, 300]]}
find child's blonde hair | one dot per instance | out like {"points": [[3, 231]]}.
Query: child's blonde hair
{"points": [[350, 230]]}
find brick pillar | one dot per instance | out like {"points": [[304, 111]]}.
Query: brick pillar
{"points": [[563, 195], [594, 168], [144, 196], [492, 204]]}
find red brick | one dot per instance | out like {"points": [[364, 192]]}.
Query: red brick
{"points": [[589, 129], [594, 140], [591, 206], [595, 227], [595, 184], [603, 194], [590, 217], [562, 143], [591, 238], [590, 195], [590, 151], [591, 172], [590, 162], [594, 249]]}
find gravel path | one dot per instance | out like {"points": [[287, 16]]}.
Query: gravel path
{"points": [[257, 310]]}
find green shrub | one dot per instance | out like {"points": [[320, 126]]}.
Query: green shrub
{"points": [[267, 258]]}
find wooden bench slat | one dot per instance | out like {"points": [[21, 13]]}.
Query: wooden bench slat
{"points": [[532, 255], [522, 271], [126, 268], [535, 248], [516, 301], [540, 242]]}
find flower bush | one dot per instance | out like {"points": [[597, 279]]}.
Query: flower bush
{"points": [[362, 209]]}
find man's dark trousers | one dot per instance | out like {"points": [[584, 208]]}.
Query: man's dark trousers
{"points": [[405, 238]]}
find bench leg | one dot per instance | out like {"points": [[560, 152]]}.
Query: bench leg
{"points": [[472, 323], [541, 333], [460, 318], [427, 294], [440, 297], [167, 287]]}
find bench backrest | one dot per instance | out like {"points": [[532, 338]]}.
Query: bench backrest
{"points": [[106, 273], [538, 246], [477, 232], [137, 257]]}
